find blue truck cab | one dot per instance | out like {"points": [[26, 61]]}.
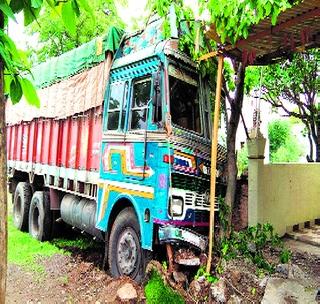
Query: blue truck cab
{"points": [[155, 154]]}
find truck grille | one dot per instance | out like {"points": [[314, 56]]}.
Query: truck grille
{"points": [[202, 201], [190, 183], [199, 201]]}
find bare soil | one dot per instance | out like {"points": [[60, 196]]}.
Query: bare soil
{"points": [[79, 279], [243, 278], [67, 279]]}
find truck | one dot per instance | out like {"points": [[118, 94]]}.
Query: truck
{"points": [[119, 149]]}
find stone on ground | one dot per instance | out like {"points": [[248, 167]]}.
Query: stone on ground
{"points": [[287, 291], [127, 292], [234, 299], [219, 291]]}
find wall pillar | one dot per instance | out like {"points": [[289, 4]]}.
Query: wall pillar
{"points": [[256, 145]]}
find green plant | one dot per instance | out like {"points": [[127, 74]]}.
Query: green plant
{"points": [[278, 132], [224, 213], [80, 243], [202, 273], [165, 265], [284, 147], [285, 255], [242, 160], [297, 82], [250, 243], [54, 38], [157, 292]]}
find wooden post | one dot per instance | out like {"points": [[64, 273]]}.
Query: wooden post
{"points": [[214, 148]]}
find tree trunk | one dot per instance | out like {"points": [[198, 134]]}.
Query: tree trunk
{"points": [[310, 156], [318, 139], [3, 192], [3, 184], [236, 106]]}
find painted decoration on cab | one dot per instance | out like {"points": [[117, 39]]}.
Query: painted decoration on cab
{"points": [[128, 168], [123, 188], [184, 162]]}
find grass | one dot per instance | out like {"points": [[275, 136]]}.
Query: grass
{"points": [[23, 250], [80, 243], [157, 292]]}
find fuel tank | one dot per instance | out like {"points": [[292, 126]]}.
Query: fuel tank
{"points": [[80, 213]]}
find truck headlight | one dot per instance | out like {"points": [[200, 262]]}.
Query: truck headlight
{"points": [[176, 206]]}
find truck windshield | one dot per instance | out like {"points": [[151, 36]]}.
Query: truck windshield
{"points": [[184, 99]]}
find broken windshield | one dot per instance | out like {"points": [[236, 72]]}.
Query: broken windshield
{"points": [[184, 99]]}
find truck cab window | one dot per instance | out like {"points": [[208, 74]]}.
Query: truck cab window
{"points": [[117, 106], [184, 100], [140, 98]]}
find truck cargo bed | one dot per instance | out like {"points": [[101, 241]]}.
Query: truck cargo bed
{"points": [[64, 151]]}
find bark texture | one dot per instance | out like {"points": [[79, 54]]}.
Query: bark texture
{"points": [[232, 126], [3, 192], [3, 184]]}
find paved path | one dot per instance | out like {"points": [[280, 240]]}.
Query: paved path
{"points": [[307, 235]]}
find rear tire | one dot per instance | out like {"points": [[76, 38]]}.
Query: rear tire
{"points": [[21, 205], [125, 254], [40, 217]]}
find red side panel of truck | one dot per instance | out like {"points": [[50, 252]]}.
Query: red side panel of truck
{"points": [[94, 147], [25, 139], [54, 142], [73, 142], [60, 141], [83, 142]]}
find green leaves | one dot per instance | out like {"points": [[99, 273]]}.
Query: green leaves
{"points": [[69, 17], [6, 9], [22, 86], [36, 3], [16, 5], [30, 14], [30, 92], [15, 63], [233, 18], [85, 6], [15, 90]]}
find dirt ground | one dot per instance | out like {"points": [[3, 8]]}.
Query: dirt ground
{"points": [[243, 280], [79, 279], [67, 279]]}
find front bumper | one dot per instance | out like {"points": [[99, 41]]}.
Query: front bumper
{"points": [[174, 234]]}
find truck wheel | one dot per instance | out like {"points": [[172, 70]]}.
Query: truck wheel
{"points": [[40, 216], [21, 204], [125, 255]]}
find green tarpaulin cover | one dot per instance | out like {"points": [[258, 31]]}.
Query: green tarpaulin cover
{"points": [[58, 68]]}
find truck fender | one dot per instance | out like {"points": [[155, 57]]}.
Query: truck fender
{"points": [[146, 228]]}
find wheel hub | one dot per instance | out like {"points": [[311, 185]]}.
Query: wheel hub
{"points": [[127, 251]]}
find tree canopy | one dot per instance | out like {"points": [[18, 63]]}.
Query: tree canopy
{"points": [[54, 38], [14, 62], [284, 146], [293, 86], [233, 18]]}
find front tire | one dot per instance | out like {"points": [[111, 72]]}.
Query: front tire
{"points": [[40, 217], [125, 255], [21, 205]]}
